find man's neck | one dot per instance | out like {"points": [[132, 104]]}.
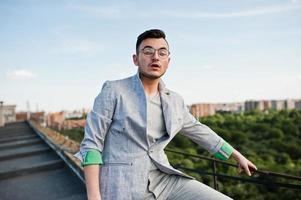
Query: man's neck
{"points": [[150, 85]]}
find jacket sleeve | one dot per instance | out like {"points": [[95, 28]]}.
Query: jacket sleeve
{"points": [[204, 136], [97, 124]]}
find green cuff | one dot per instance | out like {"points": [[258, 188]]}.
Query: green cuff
{"points": [[225, 152], [92, 157]]}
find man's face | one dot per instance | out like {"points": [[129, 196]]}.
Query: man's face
{"points": [[152, 66]]}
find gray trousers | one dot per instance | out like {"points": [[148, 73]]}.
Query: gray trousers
{"points": [[181, 188]]}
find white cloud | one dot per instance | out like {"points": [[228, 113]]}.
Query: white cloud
{"points": [[21, 74], [118, 12]]}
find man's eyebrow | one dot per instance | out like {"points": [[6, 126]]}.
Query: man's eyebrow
{"points": [[154, 48], [147, 47]]}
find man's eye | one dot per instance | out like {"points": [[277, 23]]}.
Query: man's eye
{"points": [[163, 53], [148, 51]]}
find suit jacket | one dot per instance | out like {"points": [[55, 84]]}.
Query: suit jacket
{"points": [[116, 126]]}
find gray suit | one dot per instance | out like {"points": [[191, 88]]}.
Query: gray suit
{"points": [[117, 127]]}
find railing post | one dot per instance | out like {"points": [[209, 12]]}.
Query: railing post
{"points": [[214, 175]]}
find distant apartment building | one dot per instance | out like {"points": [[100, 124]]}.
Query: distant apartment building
{"points": [[22, 116], [278, 104], [70, 124], [7, 113], [207, 109], [38, 117], [298, 105], [55, 120], [202, 110], [255, 105], [65, 120], [266, 104], [290, 104], [230, 107], [74, 114], [269, 104]]}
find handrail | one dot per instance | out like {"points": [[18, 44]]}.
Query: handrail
{"points": [[251, 180]]}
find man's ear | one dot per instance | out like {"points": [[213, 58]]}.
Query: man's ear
{"points": [[135, 59]]}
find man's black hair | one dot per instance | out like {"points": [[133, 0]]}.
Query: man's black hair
{"points": [[153, 33]]}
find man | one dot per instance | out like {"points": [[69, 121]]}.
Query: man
{"points": [[131, 123]]}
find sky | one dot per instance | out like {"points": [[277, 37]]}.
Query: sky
{"points": [[56, 54]]}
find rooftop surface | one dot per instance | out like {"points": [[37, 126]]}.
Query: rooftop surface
{"points": [[30, 169]]}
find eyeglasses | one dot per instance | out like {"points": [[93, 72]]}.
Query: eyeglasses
{"points": [[149, 51]]}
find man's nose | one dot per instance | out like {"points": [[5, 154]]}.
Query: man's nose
{"points": [[156, 55]]}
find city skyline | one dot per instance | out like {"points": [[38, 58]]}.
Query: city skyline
{"points": [[87, 109], [57, 54]]}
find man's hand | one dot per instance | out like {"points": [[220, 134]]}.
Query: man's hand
{"points": [[243, 163]]}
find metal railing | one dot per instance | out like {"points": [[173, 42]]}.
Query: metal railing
{"points": [[259, 177]]}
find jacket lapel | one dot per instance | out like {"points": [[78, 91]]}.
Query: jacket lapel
{"points": [[165, 102], [140, 94], [166, 107]]}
